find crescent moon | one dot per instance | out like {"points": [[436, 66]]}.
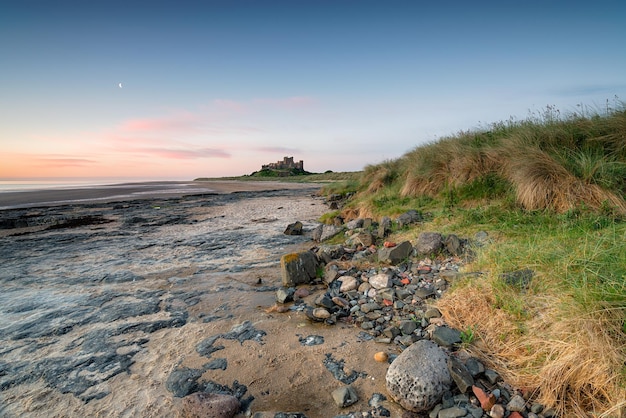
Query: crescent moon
{"points": [[120, 85]]}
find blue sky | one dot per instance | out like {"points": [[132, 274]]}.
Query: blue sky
{"points": [[218, 88]]}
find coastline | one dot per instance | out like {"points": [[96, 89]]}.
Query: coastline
{"points": [[133, 191]]}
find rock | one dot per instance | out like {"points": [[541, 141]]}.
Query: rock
{"points": [[298, 268], [519, 278], [294, 228], [183, 381], [345, 396], [365, 239], [461, 376], [432, 313], [369, 307], [331, 272], [517, 404], [348, 283], [428, 243], [408, 218], [380, 281], [492, 376], [321, 313], [474, 366], [384, 227], [354, 224], [328, 253], [497, 411], [452, 244], [446, 337], [284, 295], [325, 232], [210, 405], [453, 412], [408, 327], [381, 357], [395, 255], [419, 376]]}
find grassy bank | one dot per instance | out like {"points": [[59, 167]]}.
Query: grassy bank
{"points": [[550, 191]]}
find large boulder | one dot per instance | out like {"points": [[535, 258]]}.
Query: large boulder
{"points": [[395, 255], [419, 376], [429, 243], [298, 268]]}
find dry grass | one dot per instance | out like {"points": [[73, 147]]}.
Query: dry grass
{"points": [[569, 363]]}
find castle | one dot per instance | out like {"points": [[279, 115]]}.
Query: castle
{"points": [[286, 163]]}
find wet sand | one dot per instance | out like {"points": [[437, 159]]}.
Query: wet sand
{"points": [[97, 317]]}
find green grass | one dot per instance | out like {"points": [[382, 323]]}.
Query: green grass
{"points": [[550, 190]]}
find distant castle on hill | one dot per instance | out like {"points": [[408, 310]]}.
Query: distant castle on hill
{"points": [[286, 164]]}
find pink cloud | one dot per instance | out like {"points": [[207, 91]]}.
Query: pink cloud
{"points": [[185, 154], [185, 122], [62, 162]]}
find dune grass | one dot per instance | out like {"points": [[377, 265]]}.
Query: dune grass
{"points": [[550, 190]]}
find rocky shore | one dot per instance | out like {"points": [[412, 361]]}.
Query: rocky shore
{"points": [[209, 305]]}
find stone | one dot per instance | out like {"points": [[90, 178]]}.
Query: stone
{"points": [[492, 376], [453, 412], [365, 239], [380, 281], [210, 405], [331, 272], [518, 278], [446, 336], [183, 381], [381, 357], [345, 396], [419, 376], [461, 376], [517, 404], [395, 255], [452, 243], [475, 411], [474, 366], [369, 307], [408, 327], [298, 268], [497, 411], [285, 295], [294, 229], [321, 313], [384, 227], [428, 243], [325, 232], [328, 253], [348, 283], [536, 408], [410, 217], [487, 401], [354, 224]]}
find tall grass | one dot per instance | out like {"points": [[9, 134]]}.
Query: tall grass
{"points": [[549, 162], [551, 191]]}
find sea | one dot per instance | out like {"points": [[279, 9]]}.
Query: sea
{"points": [[23, 185]]}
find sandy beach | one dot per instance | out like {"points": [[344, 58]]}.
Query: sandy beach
{"points": [[101, 309]]}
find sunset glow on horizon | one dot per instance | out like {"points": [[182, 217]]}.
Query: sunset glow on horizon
{"points": [[187, 90]]}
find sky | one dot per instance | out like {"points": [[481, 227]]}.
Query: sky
{"points": [[185, 89]]}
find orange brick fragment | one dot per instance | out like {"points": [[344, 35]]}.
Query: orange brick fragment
{"points": [[487, 401], [389, 244], [515, 414]]}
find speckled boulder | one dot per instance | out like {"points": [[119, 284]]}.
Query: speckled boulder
{"points": [[210, 405], [419, 376]]}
